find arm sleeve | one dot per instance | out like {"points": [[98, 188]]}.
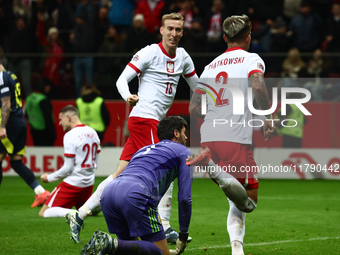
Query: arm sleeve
{"points": [[138, 63], [256, 65], [192, 81], [184, 193], [122, 83], [189, 72], [64, 171]]}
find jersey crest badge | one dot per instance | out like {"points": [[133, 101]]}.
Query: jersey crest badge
{"points": [[170, 66]]}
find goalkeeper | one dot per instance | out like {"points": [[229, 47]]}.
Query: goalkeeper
{"points": [[129, 203]]}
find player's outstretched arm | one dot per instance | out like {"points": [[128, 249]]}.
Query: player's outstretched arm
{"points": [[64, 171], [195, 106], [5, 112], [262, 99]]}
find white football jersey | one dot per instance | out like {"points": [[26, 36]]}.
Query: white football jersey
{"points": [[158, 79], [233, 67], [82, 143]]}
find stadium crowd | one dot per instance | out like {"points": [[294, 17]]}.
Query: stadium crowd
{"points": [[70, 42]]}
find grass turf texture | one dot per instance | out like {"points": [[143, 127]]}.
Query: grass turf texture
{"points": [[293, 217]]}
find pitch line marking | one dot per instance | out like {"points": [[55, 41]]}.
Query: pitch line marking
{"points": [[267, 243]]}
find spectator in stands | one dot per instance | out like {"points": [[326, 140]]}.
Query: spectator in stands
{"points": [[22, 41], [195, 37], [152, 11], [332, 28], [317, 68], [291, 8], [188, 11], [120, 15], [292, 68], [139, 31], [92, 109], [171, 6], [39, 112], [109, 67], [83, 42], [101, 26], [215, 42], [280, 43], [53, 46], [306, 29]]}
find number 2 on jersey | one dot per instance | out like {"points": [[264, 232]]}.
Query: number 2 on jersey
{"points": [[89, 150], [221, 77]]}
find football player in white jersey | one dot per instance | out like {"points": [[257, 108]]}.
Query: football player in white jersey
{"points": [[228, 135], [159, 67], [81, 148]]}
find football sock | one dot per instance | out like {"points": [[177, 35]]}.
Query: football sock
{"points": [[56, 212], [231, 187], [25, 173], [164, 207], [236, 228], [237, 248], [94, 201], [39, 189], [143, 248], [0, 172]]}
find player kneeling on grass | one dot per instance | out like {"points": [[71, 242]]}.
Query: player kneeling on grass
{"points": [[81, 148], [129, 203]]}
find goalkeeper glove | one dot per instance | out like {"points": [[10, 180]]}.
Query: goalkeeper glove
{"points": [[181, 242]]}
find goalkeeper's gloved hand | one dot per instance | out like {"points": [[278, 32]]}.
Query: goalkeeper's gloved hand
{"points": [[181, 242]]}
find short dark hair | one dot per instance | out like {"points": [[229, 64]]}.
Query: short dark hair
{"points": [[167, 126], [236, 28], [70, 108]]}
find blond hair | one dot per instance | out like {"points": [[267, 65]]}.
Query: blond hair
{"points": [[173, 16], [236, 28]]}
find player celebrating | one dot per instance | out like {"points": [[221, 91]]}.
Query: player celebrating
{"points": [[81, 148], [159, 67], [230, 144], [129, 202], [13, 132]]}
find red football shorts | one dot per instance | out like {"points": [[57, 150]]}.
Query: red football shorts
{"points": [[67, 196], [236, 159], [143, 132]]}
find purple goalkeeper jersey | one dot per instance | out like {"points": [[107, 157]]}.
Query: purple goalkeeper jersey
{"points": [[157, 165]]}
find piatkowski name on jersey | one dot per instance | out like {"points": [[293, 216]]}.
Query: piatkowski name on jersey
{"points": [[158, 79], [82, 143], [233, 67]]}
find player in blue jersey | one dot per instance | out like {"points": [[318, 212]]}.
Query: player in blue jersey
{"points": [[129, 203], [13, 132]]}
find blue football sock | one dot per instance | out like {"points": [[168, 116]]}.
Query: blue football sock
{"points": [[137, 247], [25, 173]]}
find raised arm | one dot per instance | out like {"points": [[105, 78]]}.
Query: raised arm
{"points": [[262, 99]]}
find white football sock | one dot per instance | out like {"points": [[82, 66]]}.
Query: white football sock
{"points": [[56, 212], [39, 189], [236, 228], [231, 187], [164, 207], [94, 201]]}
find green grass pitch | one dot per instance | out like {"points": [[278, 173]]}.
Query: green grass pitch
{"points": [[293, 217]]}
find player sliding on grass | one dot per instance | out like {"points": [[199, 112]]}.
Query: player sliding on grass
{"points": [[129, 203], [81, 148], [159, 67], [230, 145]]}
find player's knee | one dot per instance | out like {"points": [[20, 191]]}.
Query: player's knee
{"points": [[248, 207]]}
